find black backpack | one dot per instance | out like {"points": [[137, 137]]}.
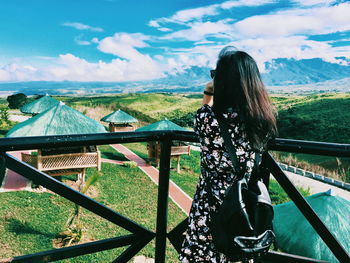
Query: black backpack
{"points": [[242, 226]]}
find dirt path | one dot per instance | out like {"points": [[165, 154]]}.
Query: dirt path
{"points": [[316, 186]]}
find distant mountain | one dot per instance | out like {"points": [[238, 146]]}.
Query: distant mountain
{"points": [[284, 75], [290, 71], [279, 72]]}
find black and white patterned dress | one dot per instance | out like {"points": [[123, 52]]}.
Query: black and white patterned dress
{"points": [[216, 166]]}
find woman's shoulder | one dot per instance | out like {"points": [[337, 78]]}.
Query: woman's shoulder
{"points": [[205, 108]]}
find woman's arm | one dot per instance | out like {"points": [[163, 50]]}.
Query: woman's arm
{"points": [[208, 98]]}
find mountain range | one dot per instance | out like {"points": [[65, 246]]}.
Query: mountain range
{"points": [[281, 76]]}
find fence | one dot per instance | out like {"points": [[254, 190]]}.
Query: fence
{"points": [[141, 236]]}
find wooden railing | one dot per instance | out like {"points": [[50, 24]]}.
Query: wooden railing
{"points": [[141, 236]]}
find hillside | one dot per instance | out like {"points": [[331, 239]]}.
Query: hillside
{"points": [[324, 117], [318, 118]]}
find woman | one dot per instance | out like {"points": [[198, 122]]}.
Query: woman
{"points": [[240, 96]]}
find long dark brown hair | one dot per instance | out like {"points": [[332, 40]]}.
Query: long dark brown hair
{"points": [[238, 85]]}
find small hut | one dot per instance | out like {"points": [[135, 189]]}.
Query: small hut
{"points": [[40, 105], [295, 235], [60, 120], [120, 121], [177, 149]]}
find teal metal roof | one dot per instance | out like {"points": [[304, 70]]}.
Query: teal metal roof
{"points": [[119, 116], [162, 126], [40, 105], [295, 235], [58, 120]]}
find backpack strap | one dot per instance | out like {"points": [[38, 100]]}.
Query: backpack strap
{"points": [[255, 175], [231, 149]]}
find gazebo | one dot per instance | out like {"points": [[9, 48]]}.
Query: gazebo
{"points": [[295, 235], [153, 147], [40, 105], [60, 120], [120, 121]]}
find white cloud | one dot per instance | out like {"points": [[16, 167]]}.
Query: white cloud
{"points": [[237, 3], [164, 29], [81, 26], [283, 34], [198, 31], [194, 14], [19, 72], [187, 15], [4, 75], [197, 14], [319, 20], [202, 56], [153, 23], [80, 42], [73, 68], [124, 45], [131, 65], [296, 47], [313, 2]]}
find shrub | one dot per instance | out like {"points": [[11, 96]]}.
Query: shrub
{"points": [[16, 100], [130, 164]]}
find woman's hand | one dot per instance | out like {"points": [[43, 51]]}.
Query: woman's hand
{"points": [[209, 87], [207, 98]]}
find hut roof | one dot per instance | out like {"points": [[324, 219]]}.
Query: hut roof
{"points": [[58, 120], [119, 116], [40, 105], [161, 126], [295, 235]]}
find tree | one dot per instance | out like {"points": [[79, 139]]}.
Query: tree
{"points": [[74, 229], [16, 100]]}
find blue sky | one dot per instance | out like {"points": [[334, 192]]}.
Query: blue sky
{"points": [[115, 40]]}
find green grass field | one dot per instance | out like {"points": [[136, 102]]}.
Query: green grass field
{"points": [[323, 117], [32, 220]]}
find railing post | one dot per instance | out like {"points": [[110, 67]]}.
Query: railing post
{"points": [[162, 207]]}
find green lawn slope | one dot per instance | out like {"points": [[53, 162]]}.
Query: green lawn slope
{"points": [[30, 221]]}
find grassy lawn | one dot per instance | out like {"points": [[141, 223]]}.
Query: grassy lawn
{"points": [[109, 152], [32, 220]]}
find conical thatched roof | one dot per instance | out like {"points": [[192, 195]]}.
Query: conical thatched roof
{"points": [[295, 235], [58, 120], [119, 117], [40, 105], [161, 126]]}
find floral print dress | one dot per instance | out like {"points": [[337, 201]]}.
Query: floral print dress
{"points": [[216, 166]]}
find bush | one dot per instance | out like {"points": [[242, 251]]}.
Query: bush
{"points": [[4, 114], [130, 164], [5, 122], [16, 100]]}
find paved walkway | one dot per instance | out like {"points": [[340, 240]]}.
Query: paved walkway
{"points": [[104, 160], [143, 259], [14, 181], [18, 118], [316, 186], [176, 194]]}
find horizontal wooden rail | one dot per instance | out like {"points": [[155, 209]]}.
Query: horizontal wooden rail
{"points": [[140, 235], [38, 142]]}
